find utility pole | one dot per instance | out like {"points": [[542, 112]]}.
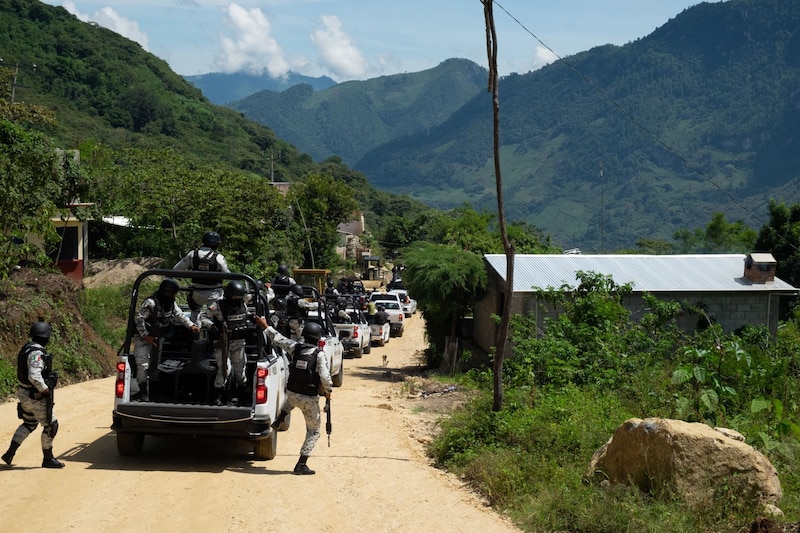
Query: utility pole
{"points": [[602, 211], [272, 165], [14, 83]]}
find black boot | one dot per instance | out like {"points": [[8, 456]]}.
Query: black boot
{"points": [[9, 455], [142, 395], [49, 461], [301, 469], [279, 420], [219, 395]]}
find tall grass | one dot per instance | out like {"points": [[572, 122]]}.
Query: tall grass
{"points": [[566, 391]]}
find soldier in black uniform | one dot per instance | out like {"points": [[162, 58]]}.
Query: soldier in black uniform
{"points": [[35, 393]]}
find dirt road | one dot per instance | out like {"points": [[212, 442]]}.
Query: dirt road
{"points": [[372, 478]]}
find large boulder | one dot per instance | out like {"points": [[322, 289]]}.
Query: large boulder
{"points": [[690, 461]]}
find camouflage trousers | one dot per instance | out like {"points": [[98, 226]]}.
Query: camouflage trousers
{"points": [[309, 405], [203, 298], [141, 355], [235, 364], [34, 412]]}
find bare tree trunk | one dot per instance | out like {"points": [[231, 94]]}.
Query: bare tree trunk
{"points": [[501, 339]]}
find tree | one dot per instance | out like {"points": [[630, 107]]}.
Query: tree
{"points": [[446, 282], [322, 203], [36, 181], [780, 236]]}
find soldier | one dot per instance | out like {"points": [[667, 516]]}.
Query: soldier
{"points": [[308, 376], [297, 309], [282, 282], [204, 259], [35, 393], [155, 318], [229, 319]]}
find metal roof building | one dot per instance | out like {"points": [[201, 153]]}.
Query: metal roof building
{"points": [[647, 273], [735, 290]]}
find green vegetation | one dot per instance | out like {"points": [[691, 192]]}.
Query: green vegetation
{"points": [[569, 388]]}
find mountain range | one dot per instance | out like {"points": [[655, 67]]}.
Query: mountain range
{"points": [[599, 150]]}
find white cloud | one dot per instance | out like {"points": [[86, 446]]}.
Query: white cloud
{"points": [[108, 18], [253, 48], [544, 56], [336, 51]]}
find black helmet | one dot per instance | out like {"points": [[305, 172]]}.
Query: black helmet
{"points": [[211, 239], [297, 289], [278, 304], [169, 288], [283, 270], [41, 330], [234, 288], [329, 283], [312, 332]]}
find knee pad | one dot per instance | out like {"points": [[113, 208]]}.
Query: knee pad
{"points": [[51, 429]]}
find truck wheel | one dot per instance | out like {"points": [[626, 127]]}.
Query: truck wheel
{"points": [[338, 378], [266, 449], [400, 332], [357, 353], [368, 347], [129, 444], [382, 341]]}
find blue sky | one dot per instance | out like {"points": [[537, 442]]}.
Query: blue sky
{"points": [[361, 39]]}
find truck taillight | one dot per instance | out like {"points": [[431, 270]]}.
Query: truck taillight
{"points": [[401, 317], [261, 385], [119, 385], [355, 332]]}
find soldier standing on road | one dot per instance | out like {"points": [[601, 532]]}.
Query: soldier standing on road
{"points": [[308, 376], [204, 259], [153, 320], [36, 383]]}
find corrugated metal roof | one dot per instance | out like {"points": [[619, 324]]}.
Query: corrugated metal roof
{"points": [[647, 273]]}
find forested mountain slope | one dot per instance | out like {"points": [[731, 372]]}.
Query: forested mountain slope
{"points": [[613, 145], [351, 118]]}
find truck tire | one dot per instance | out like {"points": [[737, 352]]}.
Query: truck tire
{"points": [[338, 378], [129, 444], [381, 341], [400, 331], [368, 347], [358, 353], [266, 449]]}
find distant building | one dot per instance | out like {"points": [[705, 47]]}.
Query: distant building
{"points": [[735, 290]]}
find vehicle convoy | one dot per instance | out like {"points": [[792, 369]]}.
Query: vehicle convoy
{"points": [[351, 324], [182, 372], [393, 307]]}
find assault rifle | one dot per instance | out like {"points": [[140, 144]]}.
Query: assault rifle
{"points": [[52, 381], [328, 425]]}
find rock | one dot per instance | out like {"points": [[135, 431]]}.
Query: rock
{"points": [[686, 460]]}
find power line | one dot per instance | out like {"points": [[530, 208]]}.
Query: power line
{"points": [[642, 126]]}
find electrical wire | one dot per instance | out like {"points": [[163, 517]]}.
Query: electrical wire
{"points": [[644, 128]]}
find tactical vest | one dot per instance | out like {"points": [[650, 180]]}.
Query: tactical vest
{"points": [[303, 377], [22, 363], [206, 263], [161, 317], [234, 315], [293, 309]]}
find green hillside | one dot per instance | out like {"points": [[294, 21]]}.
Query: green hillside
{"points": [[699, 116], [351, 118]]}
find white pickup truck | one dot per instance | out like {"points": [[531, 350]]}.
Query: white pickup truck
{"points": [[182, 371], [393, 307], [350, 324]]}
